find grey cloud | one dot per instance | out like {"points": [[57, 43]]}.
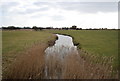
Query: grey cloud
{"points": [[9, 4], [89, 7], [41, 3], [57, 17], [39, 15], [33, 10], [6, 6], [49, 4]]}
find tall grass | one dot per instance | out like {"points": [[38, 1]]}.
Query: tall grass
{"points": [[79, 66], [29, 65], [35, 64], [97, 67]]}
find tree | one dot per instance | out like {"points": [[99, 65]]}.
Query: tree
{"points": [[35, 28], [73, 27]]}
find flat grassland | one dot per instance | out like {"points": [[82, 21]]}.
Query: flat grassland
{"points": [[16, 41], [97, 42]]}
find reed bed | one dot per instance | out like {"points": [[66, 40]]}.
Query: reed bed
{"points": [[29, 65], [35, 64], [80, 66], [98, 67]]}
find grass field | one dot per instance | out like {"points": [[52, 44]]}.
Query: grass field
{"points": [[97, 42], [15, 42]]}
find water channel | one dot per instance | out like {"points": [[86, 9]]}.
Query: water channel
{"points": [[56, 56]]}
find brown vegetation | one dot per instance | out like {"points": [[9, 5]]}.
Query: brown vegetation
{"points": [[29, 65], [98, 67], [84, 68], [79, 66], [34, 64]]}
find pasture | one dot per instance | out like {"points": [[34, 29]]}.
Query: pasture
{"points": [[16, 41]]}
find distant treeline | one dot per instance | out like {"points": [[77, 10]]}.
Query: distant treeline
{"points": [[41, 28]]}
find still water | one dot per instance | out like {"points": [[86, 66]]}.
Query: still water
{"points": [[64, 45]]}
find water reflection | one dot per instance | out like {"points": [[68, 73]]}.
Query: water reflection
{"points": [[64, 41], [64, 45]]}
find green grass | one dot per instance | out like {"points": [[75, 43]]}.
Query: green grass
{"points": [[17, 41], [98, 42]]}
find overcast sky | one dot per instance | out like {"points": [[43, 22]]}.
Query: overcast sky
{"points": [[60, 13]]}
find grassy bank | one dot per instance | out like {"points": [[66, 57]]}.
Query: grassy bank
{"points": [[96, 42], [16, 43]]}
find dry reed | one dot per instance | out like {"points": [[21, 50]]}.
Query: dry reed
{"points": [[80, 66], [27, 66], [34, 64]]}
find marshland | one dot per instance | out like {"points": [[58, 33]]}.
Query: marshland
{"points": [[60, 54]]}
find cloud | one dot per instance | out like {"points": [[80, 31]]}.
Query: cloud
{"points": [[89, 7], [61, 13], [36, 6], [85, 7], [7, 6], [33, 10], [62, 0], [57, 17], [48, 4], [38, 3]]}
